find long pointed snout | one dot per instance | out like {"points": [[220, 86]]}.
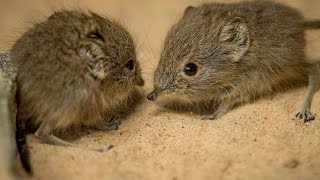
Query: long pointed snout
{"points": [[152, 96]]}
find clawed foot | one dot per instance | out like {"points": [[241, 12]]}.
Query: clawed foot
{"points": [[306, 115], [112, 124]]}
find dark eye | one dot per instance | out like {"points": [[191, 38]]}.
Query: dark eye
{"points": [[96, 35], [130, 64], [190, 69]]}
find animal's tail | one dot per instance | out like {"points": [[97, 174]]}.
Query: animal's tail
{"points": [[312, 24], [21, 141]]}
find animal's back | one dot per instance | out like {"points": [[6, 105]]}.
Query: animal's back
{"points": [[276, 54], [49, 68]]}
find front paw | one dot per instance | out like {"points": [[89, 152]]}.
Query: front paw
{"points": [[306, 115], [111, 124]]}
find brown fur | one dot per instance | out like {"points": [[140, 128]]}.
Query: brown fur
{"points": [[243, 51], [73, 70]]}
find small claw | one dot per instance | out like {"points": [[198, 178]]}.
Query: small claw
{"points": [[309, 117], [113, 126], [301, 115], [305, 115]]}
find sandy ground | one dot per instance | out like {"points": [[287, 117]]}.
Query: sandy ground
{"points": [[254, 141]]}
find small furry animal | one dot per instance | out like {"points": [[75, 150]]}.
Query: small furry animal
{"points": [[9, 142], [75, 68], [226, 55]]}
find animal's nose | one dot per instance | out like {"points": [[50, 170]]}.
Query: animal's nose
{"points": [[152, 96]]}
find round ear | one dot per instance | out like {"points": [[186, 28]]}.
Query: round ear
{"points": [[188, 10], [90, 55], [235, 37]]}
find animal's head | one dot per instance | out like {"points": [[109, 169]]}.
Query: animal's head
{"points": [[105, 47], [201, 55]]}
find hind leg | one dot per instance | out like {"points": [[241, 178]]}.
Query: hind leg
{"points": [[314, 86], [222, 110], [45, 133]]}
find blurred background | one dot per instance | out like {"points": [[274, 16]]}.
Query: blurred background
{"points": [[147, 20]]}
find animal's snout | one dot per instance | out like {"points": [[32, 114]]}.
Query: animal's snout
{"points": [[140, 81], [152, 96]]}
